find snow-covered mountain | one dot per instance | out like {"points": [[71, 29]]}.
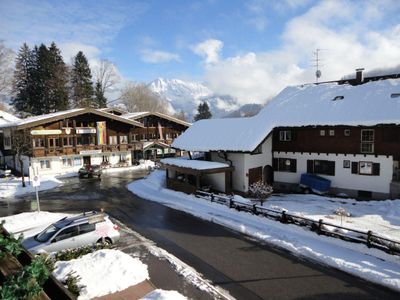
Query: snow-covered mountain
{"points": [[186, 96]]}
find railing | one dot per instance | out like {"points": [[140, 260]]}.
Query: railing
{"points": [[371, 239]]}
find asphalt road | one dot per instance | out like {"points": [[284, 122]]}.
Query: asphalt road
{"points": [[244, 267]]}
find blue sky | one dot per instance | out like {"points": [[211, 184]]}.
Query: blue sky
{"points": [[249, 49]]}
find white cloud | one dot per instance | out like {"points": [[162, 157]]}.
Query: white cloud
{"points": [[344, 29], [156, 56], [209, 50]]}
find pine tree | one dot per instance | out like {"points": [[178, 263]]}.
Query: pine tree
{"points": [[203, 112], [40, 77], [82, 87], [57, 85], [100, 99], [22, 82]]}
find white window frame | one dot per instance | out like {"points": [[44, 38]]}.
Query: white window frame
{"points": [[67, 165], [285, 135], [367, 145], [45, 164], [365, 168], [322, 132]]}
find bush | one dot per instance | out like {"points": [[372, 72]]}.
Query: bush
{"points": [[78, 252], [72, 284], [260, 190]]}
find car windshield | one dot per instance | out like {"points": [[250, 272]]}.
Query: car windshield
{"points": [[46, 234]]}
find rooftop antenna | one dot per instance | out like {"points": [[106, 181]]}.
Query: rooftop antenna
{"points": [[317, 64]]}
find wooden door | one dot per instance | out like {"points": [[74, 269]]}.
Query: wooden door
{"points": [[255, 174]]}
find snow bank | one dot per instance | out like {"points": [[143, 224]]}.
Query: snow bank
{"points": [[357, 259], [163, 295], [103, 272], [12, 186]]}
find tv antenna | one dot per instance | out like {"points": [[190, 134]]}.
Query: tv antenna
{"points": [[317, 64]]}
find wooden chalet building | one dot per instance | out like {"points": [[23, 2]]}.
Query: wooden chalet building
{"points": [[347, 132], [64, 141], [158, 133]]}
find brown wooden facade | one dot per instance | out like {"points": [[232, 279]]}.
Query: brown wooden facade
{"points": [[338, 139]]}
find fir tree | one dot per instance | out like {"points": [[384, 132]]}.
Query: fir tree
{"points": [[40, 76], [57, 85], [82, 87], [22, 81], [203, 112], [100, 99]]}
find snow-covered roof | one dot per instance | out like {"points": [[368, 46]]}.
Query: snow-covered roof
{"points": [[141, 114], [193, 164], [368, 104], [7, 118], [33, 121]]}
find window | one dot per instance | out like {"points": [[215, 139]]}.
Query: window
{"points": [[122, 158], [285, 135], [7, 141], [38, 142], [285, 165], [67, 233], [45, 164], [367, 141], [85, 228], [347, 132], [53, 142], [365, 168], [67, 141], [113, 140], [322, 132], [134, 137], [332, 132], [123, 139], [346, 164], [323, 167], [67, 162], [77, 161]]}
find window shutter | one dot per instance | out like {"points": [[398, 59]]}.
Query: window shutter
{"points": [[293, 165], [294, 134], [310, 166], [376, 169], [275, 164], [331, 168], [354, 167]]}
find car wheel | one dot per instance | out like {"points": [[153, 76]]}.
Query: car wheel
{"points": [[80, 176], [105, 241]]}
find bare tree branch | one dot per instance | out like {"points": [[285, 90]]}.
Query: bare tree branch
{"points": [[6, 68], [106, 73], [138, 97]]}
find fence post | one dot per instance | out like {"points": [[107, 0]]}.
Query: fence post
{"points": [[320, 221], [369, 236], [212, 197], [254, 209], [283, 218], [230, 203]]}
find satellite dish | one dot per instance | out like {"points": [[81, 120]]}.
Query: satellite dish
{"points": [[318, 73]]}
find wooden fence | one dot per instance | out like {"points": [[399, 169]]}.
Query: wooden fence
{"points": [[371, 239]]}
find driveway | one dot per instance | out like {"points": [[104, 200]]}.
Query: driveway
{"points": [[244, 267]]}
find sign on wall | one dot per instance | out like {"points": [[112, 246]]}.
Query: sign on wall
{"points": [[46, 132], [86, 130], [101, 133], [89, 152]]}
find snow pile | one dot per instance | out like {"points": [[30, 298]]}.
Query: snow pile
{"points": [[163, 295], [30, 223], [357, 259], [144, 165], [103, 272], [12, 186]]}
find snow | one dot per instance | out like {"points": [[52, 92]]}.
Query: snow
{"points": [[12, 186], [103, 272], [193, 164], [43, 117], [367, 105], [30, 223], [357, 259], [159, 294], [6, 118]]}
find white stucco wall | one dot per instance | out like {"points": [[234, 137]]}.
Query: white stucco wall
{"points": [[216, 181], [238, 174], [343, 177]]}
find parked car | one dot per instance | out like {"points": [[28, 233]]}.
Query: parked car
{"points": [[89, 171], [73, 232]]}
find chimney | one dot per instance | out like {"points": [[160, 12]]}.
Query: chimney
{"points": [[359, 75]]}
